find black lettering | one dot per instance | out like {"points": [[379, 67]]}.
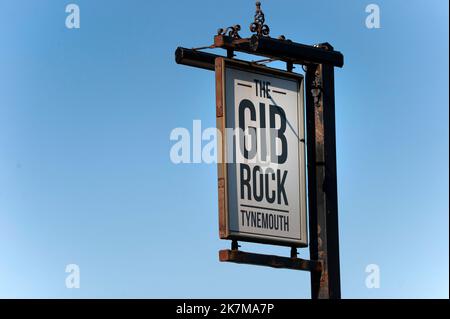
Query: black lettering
{"points": [[246, 104], [279, 159], [245, 181], [270, 199], [280, 187], [262, 124], [258, 197]]}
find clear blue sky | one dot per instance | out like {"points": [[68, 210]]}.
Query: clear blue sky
{"points": [[85, 173]]}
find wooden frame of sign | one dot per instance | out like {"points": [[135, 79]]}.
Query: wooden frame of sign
{"points": [[227, 180]]}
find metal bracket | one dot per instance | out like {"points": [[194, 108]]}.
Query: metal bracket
{"points": [[294, 252], [232, 31], [235, 245]]}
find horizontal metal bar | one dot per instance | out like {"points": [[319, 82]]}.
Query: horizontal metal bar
{"points": [[298, 53], [241, 257], [195, 58], [284, 50]]}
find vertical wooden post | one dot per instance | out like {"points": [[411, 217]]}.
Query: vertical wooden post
{"points": [[322, 180]]}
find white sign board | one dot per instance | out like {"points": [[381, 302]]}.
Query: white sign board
{"points": [[261, 171]]}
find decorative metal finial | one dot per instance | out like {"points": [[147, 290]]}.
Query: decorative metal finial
{"points": [[258, 26]]}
